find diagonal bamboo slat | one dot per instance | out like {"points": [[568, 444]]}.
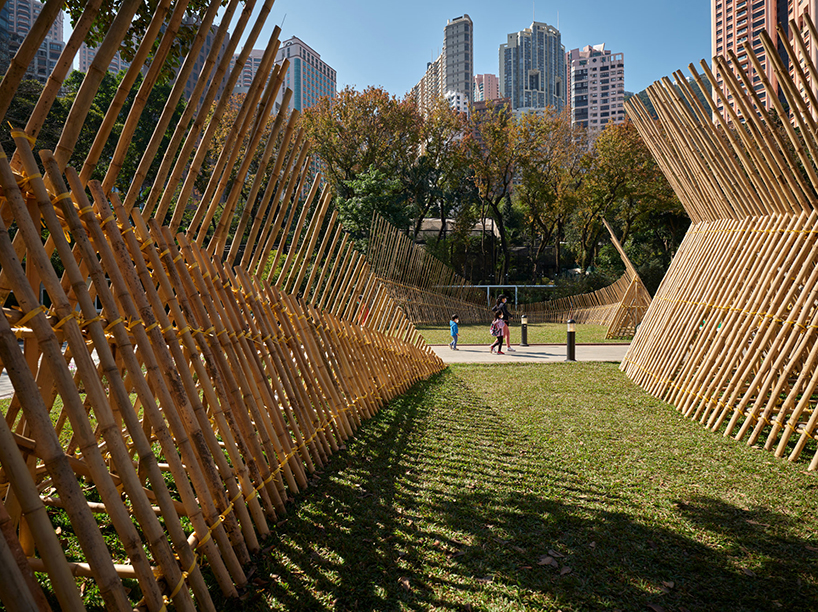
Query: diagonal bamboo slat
{"points": [[730, 337]]}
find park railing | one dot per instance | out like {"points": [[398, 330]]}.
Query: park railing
{"points": [[730, 337]]}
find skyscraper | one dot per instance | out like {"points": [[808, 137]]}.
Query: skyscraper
{"points": [[486, 87], [595, 86], [532, 68], [16, 20], [452, 72], [308, 76], [87, 55], [737, 21]]}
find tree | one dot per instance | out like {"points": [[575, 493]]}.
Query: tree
{"points": [[373, 191], [440, 167], [356, 132], [109, 9], [493, 152], [552, 156]]}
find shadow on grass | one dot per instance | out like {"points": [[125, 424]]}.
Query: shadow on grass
{"points": [[440, 502]]}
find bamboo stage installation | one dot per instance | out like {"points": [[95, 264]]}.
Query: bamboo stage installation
{"points": [[730, 337], [189, 374], [428, 290], [620, 306]]}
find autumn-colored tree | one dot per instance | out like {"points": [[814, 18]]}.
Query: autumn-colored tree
{"points": [[361, 130], [492, 147], [553, 152], [619, 167], [440, 167]]}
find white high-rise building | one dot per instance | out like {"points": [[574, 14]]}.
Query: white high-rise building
{"points": [[596, 86], [452, 72], [310, 77], [532, 68], [87, 55]]}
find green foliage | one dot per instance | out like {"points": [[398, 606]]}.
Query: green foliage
{"points": [[109, 9], [371, 191], [26, 98]]}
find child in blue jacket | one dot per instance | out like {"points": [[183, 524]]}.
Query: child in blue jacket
{"points": [[454, 326]]}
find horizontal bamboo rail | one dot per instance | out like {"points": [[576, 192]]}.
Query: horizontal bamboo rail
{"points": [[730, 337], [200, 389]]}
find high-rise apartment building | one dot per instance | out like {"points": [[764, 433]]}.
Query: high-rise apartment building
{"points": [[308, 76], [16, 20], [486, 87], [452, 72], [249, 71], [595, 79], [532, 68], [87, 55], [204, 52], [735, 22]]}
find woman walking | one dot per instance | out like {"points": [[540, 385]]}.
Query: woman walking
{"points": [[501, 306], [496, 330]]}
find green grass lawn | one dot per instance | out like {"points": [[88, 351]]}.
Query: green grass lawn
{"points": [[540, 333], [529, 487]]}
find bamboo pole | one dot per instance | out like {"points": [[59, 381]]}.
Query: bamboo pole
{"points": [[185, 72]]}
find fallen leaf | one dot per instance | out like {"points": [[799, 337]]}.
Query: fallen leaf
{"points": [[518, 549], [555, 554], [565, 570], [485, 580], [669, 583], [404, 582], [500, 541], [524, 566], [545, 560], [656, 608], [757, 523], [812, 548], [58, 530], [592, 545], [749, 572], [458, 553]]}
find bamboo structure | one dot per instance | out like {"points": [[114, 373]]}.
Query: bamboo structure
{"points": [[730, 337], [620, 306], [167, 394], [428, 290]]}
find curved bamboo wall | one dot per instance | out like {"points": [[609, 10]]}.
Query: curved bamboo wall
{"points": [[233, 353], [620, 306], [428, 290], [730, 337]]}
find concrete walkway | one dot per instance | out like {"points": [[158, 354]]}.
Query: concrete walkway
{"points": [[539, 353]]}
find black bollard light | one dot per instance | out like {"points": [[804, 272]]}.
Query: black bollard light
{"points": [[571, 341], [523, 330]]}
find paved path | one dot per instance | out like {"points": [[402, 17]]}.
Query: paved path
{"points": [[539, 353]]}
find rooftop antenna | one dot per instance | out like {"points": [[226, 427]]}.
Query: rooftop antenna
{"points": [[283, 20], [534, 10]]}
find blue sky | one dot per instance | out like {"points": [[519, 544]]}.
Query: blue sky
{"points": [[389, 43]]}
